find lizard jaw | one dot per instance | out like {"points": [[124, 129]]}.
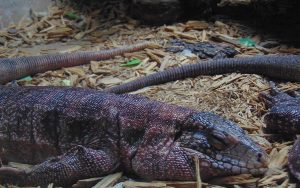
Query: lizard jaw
{"points": [[215, 167]]}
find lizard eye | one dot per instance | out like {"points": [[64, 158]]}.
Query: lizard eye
{"points": [[217, 140]]}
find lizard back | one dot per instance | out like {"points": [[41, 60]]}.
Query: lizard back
{"points": [[45, 122]]}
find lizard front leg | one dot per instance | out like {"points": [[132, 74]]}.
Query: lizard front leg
{"points": [[78, 163], [160, 158]]}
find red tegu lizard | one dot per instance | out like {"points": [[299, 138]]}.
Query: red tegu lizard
{"points": [[94, 133]]}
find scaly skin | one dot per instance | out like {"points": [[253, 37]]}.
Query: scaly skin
{"points": [[283, 117], [15, 68], [92, 133], [284, 67], [294, 159]]}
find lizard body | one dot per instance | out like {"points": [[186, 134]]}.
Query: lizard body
{"points": [[94, 133]]}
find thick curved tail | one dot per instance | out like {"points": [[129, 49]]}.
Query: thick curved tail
{"points": [[15, 68], [284, 67]]}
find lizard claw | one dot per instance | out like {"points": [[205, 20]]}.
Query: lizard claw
{"points": [[12, 175], [274, 96], [269, 98], [274, 89], [266, 98], [294, 93]]}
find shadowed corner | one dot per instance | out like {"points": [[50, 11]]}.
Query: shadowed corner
{"points": [[12, 175], [13, 11]]}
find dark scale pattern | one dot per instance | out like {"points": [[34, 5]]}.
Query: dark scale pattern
{"points": [[284, 118], [77, 163], [284, 114], [16, 68], [90, 133]]}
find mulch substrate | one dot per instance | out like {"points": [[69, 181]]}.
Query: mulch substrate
{"points": [[234, 96]]}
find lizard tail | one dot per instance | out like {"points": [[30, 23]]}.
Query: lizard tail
{"points": [[284, 67], [15, 68]]}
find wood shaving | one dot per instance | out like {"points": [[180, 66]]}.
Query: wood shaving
{"points": [[233, 96]]}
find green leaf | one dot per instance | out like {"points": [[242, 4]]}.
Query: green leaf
{"points": [[72, 16], [247, 42], [66, 82], [27, 78], [131, 63]]}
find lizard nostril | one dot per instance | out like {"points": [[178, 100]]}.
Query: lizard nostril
{"points": [[259, 155], [262, 160]]}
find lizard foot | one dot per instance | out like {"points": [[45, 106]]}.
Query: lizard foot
{"points": [[284, 111], [274, 96], [78, 163]]}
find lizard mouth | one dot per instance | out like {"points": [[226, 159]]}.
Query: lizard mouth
{"points": [[229, 166]]}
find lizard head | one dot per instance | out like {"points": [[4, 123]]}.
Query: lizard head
{"points": [[223, 148]]}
